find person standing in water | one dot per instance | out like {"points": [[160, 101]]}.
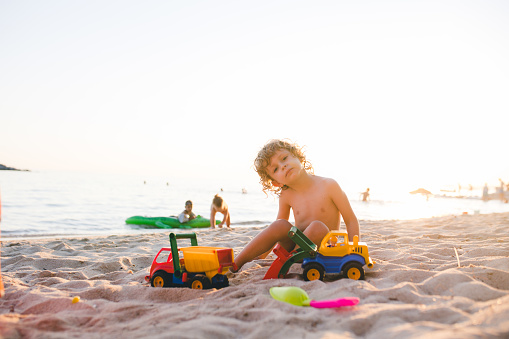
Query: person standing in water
{"points": [[485, 191], [365, 195]]}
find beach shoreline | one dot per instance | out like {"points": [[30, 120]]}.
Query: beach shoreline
{"points": [[443, 276]]}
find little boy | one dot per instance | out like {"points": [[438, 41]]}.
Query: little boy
{"points": [[317, 202], [187, 214], [218, 205]]}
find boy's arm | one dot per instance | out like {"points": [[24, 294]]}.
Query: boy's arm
{"points": [[284, 209], [343, 204], [225, 216]]}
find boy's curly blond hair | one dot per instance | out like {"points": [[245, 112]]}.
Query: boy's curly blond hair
{"points": [[263, 160]]}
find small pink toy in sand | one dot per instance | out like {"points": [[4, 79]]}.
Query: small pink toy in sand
{"points": [[298, 297]]}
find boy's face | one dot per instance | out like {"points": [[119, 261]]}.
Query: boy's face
{"points": [[189, 207], [283, 168]]}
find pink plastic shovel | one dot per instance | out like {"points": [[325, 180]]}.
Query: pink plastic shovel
{"points": [[298, 297]]}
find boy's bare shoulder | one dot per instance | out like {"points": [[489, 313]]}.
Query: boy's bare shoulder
{"points": [[330, 185], [326, 181]]}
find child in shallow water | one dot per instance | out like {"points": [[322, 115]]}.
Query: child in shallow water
{"points": [[219, 205], [317, 202]]}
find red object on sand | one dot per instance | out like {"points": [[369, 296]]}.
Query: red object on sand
{"points": [[282, 256], [1, 283]]}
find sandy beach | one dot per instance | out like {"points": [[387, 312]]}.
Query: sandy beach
{"points": [[418, 288]]}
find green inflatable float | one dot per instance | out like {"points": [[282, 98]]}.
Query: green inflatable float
{"points": [[170, 222]]}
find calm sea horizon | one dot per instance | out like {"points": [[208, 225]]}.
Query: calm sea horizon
{"points": [[53, 203]]}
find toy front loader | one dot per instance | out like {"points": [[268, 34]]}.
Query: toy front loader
{"points": [[348, 257], [282, 264]]}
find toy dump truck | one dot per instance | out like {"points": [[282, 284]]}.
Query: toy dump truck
{"points": [[336, 255], [200, 267]]}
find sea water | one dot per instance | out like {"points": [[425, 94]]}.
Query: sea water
{"points": [[47, 203]]}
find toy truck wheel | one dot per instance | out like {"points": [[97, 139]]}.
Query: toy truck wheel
{"points": [[353, 270], [220, 281], [161, 279], [200, 282], [313, 271], [225, 283]]}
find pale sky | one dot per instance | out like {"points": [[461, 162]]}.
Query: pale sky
{"points": [[394, 92]]}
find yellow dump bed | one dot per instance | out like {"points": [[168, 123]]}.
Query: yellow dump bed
{"points": [[211, 260]]}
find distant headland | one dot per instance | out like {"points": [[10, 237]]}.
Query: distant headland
{"points": [[5, 168]]}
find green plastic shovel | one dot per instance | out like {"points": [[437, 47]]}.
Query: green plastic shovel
{"points": [[298, 297]]}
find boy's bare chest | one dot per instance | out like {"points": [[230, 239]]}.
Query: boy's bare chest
{"points": [[316, 206]]}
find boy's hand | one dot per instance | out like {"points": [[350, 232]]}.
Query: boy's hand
{"points": [[233, 268]]}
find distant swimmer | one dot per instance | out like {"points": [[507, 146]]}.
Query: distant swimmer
{"points": [[365, 195]]}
